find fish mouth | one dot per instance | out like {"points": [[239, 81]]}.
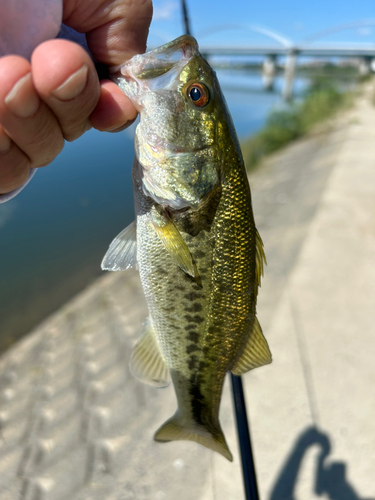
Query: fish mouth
{"points": [[185, 44], [157, 69], [159, 61]]}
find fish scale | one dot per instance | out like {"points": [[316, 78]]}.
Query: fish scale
{"points": [[199, 255]]}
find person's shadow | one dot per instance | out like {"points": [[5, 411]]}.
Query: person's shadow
{"points": [[330, 478]]}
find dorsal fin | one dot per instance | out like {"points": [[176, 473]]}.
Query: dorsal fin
{"points": [[122, 252], [256, 352], [147, 363], [260, 261]]}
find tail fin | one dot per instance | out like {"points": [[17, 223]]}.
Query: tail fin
{"points": [[175, 430]]}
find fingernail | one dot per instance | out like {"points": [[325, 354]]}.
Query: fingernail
{"points": [[72, 86], [22, 100], [5, 141], [120, 129]]}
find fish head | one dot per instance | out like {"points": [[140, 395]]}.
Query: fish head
{"points": [[181, 110]]}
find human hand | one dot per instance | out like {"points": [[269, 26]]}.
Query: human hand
{"points": [[58, 95], [313, 436]]}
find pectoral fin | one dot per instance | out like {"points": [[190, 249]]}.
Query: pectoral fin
{"points": [[147, 363], [176, 247], [256, 352], [122, 252]]}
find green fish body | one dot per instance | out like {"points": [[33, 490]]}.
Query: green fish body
{"points": [[199, 254]]}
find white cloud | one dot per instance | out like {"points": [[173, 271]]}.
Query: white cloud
{"points": [[165, 10]]}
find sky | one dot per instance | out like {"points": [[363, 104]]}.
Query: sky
{"points": [[293, 19]]}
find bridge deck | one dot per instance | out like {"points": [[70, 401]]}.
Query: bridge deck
{"points": [[339, 50]]}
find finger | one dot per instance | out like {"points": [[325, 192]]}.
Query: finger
{"points": [[113, 34], [27, 121], [66, 80], [14, 164], [115, 111]]}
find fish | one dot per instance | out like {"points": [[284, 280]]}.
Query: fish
{"points": [[194, 240]]}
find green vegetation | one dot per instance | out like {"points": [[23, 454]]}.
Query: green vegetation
{"points": [[329, 70], [320, 102]]}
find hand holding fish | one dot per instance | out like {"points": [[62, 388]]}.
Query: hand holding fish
{"points": [[58, 95]]}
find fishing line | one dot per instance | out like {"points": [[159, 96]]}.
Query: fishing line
{"points": [[305, 361]]}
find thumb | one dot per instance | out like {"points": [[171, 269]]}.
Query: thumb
{"points": [[115, 30]]}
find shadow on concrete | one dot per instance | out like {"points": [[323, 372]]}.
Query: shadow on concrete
{"points": [[330, 478]]}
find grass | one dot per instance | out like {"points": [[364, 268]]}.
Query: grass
{"points": [[321, 101]]}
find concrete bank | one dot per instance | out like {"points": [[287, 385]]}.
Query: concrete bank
{"points": [[75, 424]]}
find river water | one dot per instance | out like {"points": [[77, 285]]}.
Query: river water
{"points": [[54, 234]]}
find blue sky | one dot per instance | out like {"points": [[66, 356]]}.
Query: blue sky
{"points": [[295, 19]]}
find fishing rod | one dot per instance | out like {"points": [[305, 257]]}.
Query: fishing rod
{"points": [[247, 460], [185, 16], [244, 439]]}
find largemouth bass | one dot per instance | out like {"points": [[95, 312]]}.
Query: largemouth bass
{"points": [[199, 255]]}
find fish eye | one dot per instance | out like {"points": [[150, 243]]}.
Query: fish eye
{"points": [[198, 94]]}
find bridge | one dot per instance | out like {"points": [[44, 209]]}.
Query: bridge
{"points": [[332, 50], [365, 52]]}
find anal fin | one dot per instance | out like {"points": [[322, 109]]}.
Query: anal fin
{"points": [[256, 352], [147, 363]]}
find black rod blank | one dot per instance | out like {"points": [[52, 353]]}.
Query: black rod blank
{"points": [[185, 17], [248, 468]]}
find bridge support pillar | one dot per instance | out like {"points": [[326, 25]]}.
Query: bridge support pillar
{"points": [[365, 66], [289, 70], [269, 72]]}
